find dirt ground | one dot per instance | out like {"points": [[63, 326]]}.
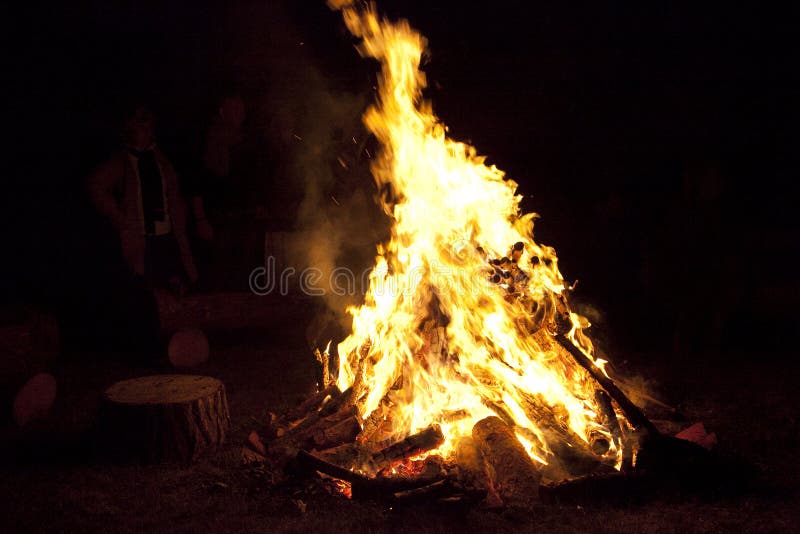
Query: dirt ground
{"points": [[55, 480]]}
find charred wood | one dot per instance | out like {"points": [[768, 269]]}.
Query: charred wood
{"points": [[513, 472], [471, 469], [309, 463], [632, 412], [345, 454], [315, 431], [570, 452], [599, 443], [337, 434], [312, 404], [364, 487], [608, 417], [439, 489], [425, 440], [323, 358]]}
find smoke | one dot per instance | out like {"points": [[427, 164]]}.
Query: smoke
{"points": [[322, 180]]}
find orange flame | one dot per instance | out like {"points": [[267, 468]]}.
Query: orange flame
{"points": [[435, 336]]}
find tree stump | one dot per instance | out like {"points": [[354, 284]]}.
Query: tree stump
{"points": [[165, 418]]}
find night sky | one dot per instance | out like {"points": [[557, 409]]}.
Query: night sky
{"points": [[657, 140]]}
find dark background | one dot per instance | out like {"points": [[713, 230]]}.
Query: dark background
{"points": [[656, 140]]}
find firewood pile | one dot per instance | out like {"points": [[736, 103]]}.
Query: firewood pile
{"points": [[323, 440]]}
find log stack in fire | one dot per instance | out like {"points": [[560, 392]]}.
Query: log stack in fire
{"points": [[466, 375]]}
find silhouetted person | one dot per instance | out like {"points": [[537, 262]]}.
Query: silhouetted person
{"points": [[137, 190], [219, 197]]}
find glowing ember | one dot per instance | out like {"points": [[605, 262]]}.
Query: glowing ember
{"points": [[463, 305]]}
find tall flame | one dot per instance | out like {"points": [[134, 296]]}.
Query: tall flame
{"points": [[437, 340]]}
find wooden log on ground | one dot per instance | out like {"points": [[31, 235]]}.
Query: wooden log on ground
{"points": [[363, 487], [514, 474], [165, 417]]}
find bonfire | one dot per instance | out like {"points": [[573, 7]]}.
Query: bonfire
{"points": [[466, 372]]}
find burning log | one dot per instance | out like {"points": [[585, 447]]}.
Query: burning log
{"points": [[337, 434], [378, 419], [313, 416], [570, 453], [425, 440], [364, 487], [347, 398], [608, 416], [513, 472], [166, 417], [305, 413], [312, 404], [470, 463], [632, 412], [310, 462], [344, 454], [598, 442], [323, 358], [372, 424], [500, 411]]}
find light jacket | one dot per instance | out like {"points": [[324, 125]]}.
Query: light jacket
{"points": [[114, 189]]}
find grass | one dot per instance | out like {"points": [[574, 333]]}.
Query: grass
{"points": [[54, 478]]}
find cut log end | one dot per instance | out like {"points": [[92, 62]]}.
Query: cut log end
{"points": [[165, 417]]}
